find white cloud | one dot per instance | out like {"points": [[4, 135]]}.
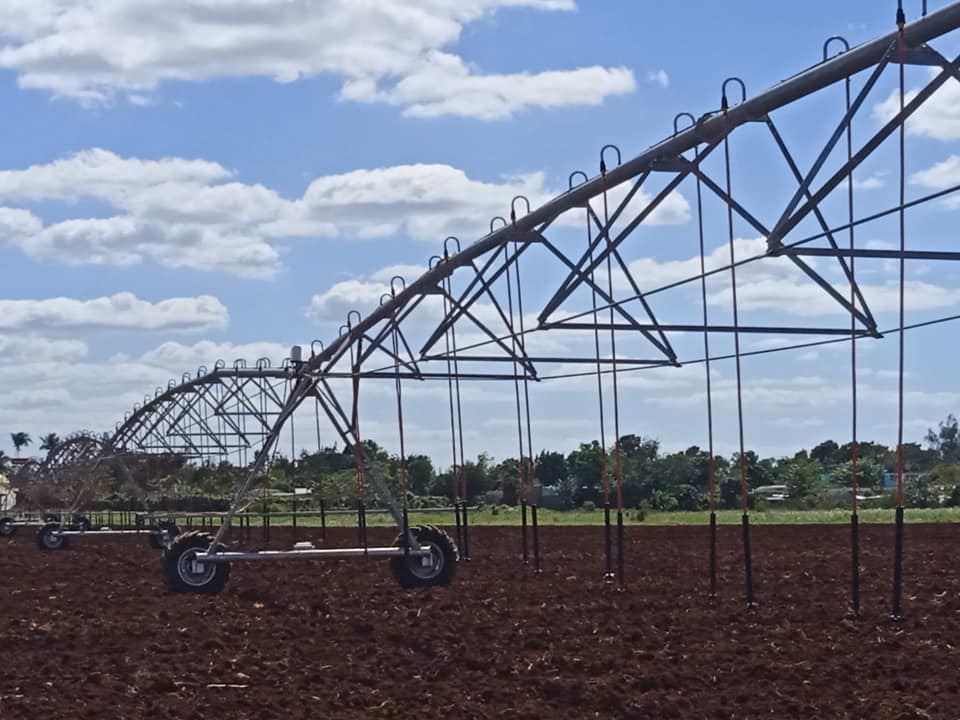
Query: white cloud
{"points": [[123, 311], [940, 176], [876, 181], [388, 51], [444, 85], [333, 304], [659, 77], [176, 355], [25, 348], [191, 214], [777, 284], [937, 118]]}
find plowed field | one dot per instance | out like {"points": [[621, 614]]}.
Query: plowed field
{"points": [[92, 632]]}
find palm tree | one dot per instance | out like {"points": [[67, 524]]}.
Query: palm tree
{"points": [[20, 440], [49, 442]]}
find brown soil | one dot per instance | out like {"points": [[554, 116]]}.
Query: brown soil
{"points": [[92, 632]]}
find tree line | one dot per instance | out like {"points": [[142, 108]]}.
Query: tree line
{"points": [[819, 477]]}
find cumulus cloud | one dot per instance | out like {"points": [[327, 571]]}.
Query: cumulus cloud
{"points": [[192, 214], [390, 51], [123, 311], [937, 118], [177, 355], [26, 348], [876, 181], [777, 284]]}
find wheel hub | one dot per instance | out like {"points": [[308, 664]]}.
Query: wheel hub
{"points": [[193, 571], [427, 566]]}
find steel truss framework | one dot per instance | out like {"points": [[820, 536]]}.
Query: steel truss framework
{"points": [[465, 317]]}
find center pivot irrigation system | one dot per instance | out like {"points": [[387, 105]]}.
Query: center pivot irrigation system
{"points": [[471, 316]]}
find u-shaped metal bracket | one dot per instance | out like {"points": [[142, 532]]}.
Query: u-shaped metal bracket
{"points": [[219, 365], [202, 370], [603, 158], [513, 207], [147, 400], [434, 261], [350, 318], [344, 329], [446, 245], [171, 383], [832, 39], [385, 298], [239, 363], [158, 392], [676, 122], [185, 378], [263, 363], [493, 219], [724, 103], [313, 347], [393, 287], [581, 173]]}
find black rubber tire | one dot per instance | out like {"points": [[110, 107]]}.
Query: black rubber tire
{"points": [[82, 522], [409, 572], [7, 527], [173, 530], [176, 573], [47, 541]]}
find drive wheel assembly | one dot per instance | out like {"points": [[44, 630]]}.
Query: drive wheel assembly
{"points": [[434, 570], [49, 537], [185, 574]]}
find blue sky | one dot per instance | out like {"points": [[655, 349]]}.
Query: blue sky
{"points": [[225, 179]]}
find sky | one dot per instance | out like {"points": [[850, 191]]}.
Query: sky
{"points": [[216, 179]]}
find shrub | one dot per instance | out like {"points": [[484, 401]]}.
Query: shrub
{"points": [[588, 506]]}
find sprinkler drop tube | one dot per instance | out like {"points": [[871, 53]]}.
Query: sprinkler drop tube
{"points": [[897, 612], [523, 530], [747, 564], [713, 554], [456, 512], [536, 538], [466, 535], [855, 559], [362, 524], [620, 546], [607, 539]]}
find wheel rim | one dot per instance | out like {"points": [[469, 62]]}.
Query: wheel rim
{"points": [[427, 567], [51, 541], [193, 572]]}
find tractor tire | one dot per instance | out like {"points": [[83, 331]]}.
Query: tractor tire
{"points": [[47, 540], [184, 575], [156, 540], [7, 527], [436, 570]]}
